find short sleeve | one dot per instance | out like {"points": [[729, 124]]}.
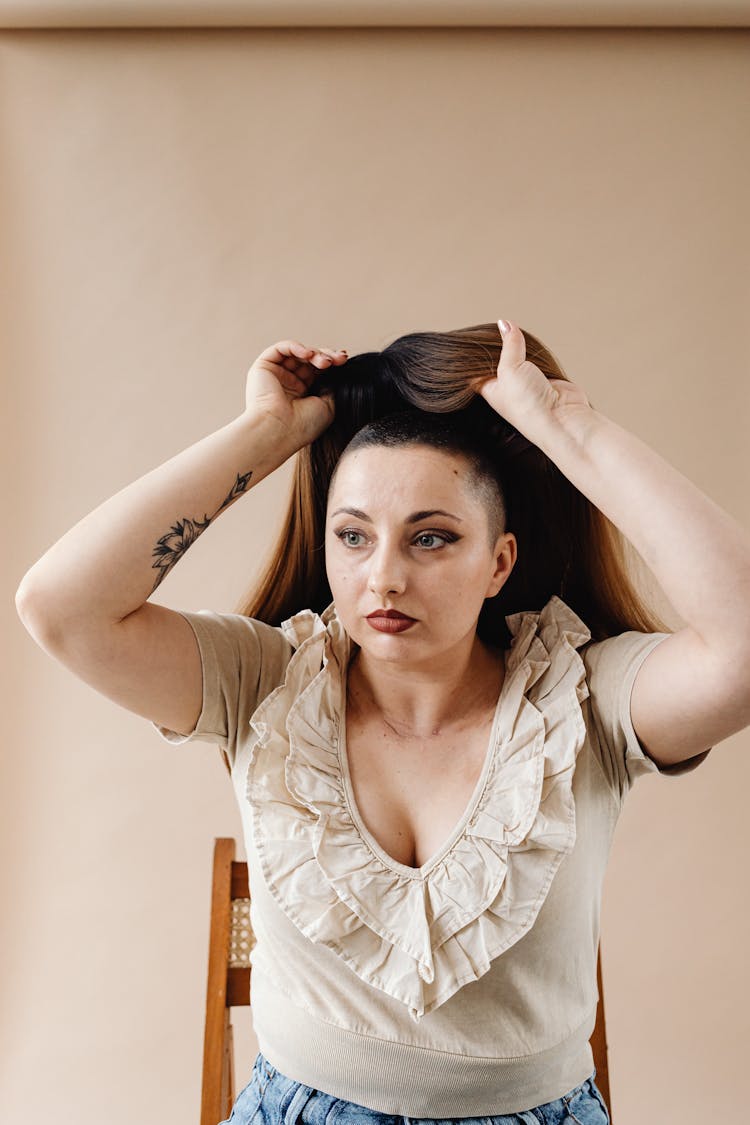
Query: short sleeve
{"points": [[242, 661], [611, 667]]}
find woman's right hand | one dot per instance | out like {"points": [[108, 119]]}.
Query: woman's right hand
{"points": [[279, 385]]}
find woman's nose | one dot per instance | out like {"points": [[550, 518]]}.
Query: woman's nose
{"points": [[387, 573]]}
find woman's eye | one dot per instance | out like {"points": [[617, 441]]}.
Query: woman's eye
{"points": [[438, 540], [345, 535]]}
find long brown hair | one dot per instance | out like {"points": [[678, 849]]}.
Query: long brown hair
{"points": [[566, 545]]}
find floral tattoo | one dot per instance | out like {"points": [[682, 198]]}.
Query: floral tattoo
{"points": [[172, 546]]}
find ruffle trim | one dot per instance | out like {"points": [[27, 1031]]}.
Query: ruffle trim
{"points": [[419, 934]]}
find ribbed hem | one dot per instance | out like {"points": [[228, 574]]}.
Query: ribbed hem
{"points": [[399, 1078]]}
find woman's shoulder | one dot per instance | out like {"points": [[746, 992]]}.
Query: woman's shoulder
{"points": [[231, 632]]}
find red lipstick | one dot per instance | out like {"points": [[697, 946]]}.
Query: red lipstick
{"points": [[390, 621]]}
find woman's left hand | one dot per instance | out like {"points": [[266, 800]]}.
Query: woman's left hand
{"points": [[524, 395]]}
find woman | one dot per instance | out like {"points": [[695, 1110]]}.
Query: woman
{"points": [[432, 710]]}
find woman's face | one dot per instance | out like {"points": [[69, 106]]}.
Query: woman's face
{"points": [[405, 531]]}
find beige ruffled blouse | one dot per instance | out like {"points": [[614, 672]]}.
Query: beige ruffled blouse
{"points": [[412, 991], [418, 934]]}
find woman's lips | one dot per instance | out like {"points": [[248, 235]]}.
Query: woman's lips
{"points": [[390, 624]]}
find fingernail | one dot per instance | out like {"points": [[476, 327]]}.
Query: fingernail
{"points": [[504, 326]]}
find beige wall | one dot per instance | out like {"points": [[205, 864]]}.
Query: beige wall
{"points": [[171, 204]]}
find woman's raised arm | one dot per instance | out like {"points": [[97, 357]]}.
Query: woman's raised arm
{"points": [[692, 690], [85, 601]]}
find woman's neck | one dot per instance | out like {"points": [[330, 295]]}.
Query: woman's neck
{"points": [[417, 703]]}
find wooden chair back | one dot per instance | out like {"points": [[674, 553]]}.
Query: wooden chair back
{"points": [[230, 942]]}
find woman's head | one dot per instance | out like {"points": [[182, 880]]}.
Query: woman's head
{"points": [[415, 522], [565, 545]]}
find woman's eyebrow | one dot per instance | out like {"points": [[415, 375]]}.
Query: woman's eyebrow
{"points": [[415, 517]]}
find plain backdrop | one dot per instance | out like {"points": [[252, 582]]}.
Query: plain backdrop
{"points": [[173, 202]]}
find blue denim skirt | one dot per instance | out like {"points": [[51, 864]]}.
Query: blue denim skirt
{"points": [[270, 1098]]}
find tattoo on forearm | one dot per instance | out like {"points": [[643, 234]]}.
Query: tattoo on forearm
{"points": [[172, 546]]}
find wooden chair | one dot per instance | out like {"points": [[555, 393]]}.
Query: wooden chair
{"points": [[230, 942]]}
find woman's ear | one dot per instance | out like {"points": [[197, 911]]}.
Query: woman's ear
{"points": [[505, 553]]}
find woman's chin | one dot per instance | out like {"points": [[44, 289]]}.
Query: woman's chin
{"points": [[394, 648]]}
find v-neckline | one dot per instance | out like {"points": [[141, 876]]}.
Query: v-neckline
{"points": [[455, 835]]}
